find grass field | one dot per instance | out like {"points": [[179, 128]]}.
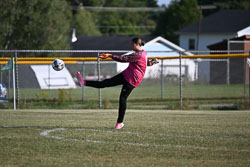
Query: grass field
{"points": [[149, 138]]}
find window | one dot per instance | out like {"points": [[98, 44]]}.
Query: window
{"points": [[191, 44]]}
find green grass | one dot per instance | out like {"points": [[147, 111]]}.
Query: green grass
{"points": [[149, 138], [144, 91], [145, 96]]}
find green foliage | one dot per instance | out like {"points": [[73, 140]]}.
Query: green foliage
{"points": [[45, 24], [70, 95], [61, 96], [42, 96], [233, 5], [87, 2], [107, 104], [4, 106], [64, 95], [84, 23], [227, 4], [42, 24], [123, 22], [224, 4], [38, 96], [243, 104], [178, 15]]}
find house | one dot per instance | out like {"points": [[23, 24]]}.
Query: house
{"points": [[238, 67], [223, 25], [153, 44]]}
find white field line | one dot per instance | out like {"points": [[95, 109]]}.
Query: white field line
{"points": [[135, 133], [46, 133]]}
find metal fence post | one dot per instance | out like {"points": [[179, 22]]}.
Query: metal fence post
{"points": [[244, 77], [14, 85], [17, 81], [180, 80], [249, 79], [1, 77], [228, 63], [9, 85], [162, 80], [228, 71], [99, 78], [83, 88], [49, 77], [196, 70]]}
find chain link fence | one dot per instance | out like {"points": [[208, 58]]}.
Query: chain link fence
{"points": [[187, 83]]}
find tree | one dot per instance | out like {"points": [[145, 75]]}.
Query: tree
{"points": [[121, 22], [34, 24], [84, 23], [223, 4], [87, 2], [124, 22], [179, 14], [227, 4]]}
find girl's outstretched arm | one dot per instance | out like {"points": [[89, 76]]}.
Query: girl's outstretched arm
{"points": [[128, 58]]}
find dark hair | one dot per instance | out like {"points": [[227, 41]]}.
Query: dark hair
{"points": [[138, 41]]}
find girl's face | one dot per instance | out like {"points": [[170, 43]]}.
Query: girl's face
{"points": [[135, 47]]}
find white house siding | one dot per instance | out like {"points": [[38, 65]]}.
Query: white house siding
{"points": [[245, 31], [204, 41]]}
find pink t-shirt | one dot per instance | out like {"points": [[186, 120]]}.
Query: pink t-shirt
{"points": [[137, 66]]}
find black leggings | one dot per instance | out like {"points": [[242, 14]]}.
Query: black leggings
{"points": [[125, 92]]}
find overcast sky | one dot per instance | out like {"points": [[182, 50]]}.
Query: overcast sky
{"points": [[161, 2]]}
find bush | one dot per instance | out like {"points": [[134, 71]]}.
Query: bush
{"points": [[61, 96]]}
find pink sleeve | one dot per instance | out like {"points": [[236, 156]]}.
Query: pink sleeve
{"points": [[127, 58]]}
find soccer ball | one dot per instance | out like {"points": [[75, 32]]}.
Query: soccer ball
{"points": [[58, 64]]}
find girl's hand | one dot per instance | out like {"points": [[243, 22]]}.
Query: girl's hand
{"points": [[104, 55], [154, 61]]}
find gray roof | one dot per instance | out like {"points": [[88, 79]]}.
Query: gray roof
{"points": [[105, 42], [224, 21]]}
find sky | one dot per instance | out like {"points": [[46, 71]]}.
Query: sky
{"points": [[161, 2]]}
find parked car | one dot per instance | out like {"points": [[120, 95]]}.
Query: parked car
{"points": [[3, 91]]}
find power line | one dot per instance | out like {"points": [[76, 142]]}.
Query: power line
{"points": [[133, 9], [119, 9], [127, 27], [205, 7]]}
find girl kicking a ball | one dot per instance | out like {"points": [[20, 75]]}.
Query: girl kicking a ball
{"points": [[130, 78]]}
